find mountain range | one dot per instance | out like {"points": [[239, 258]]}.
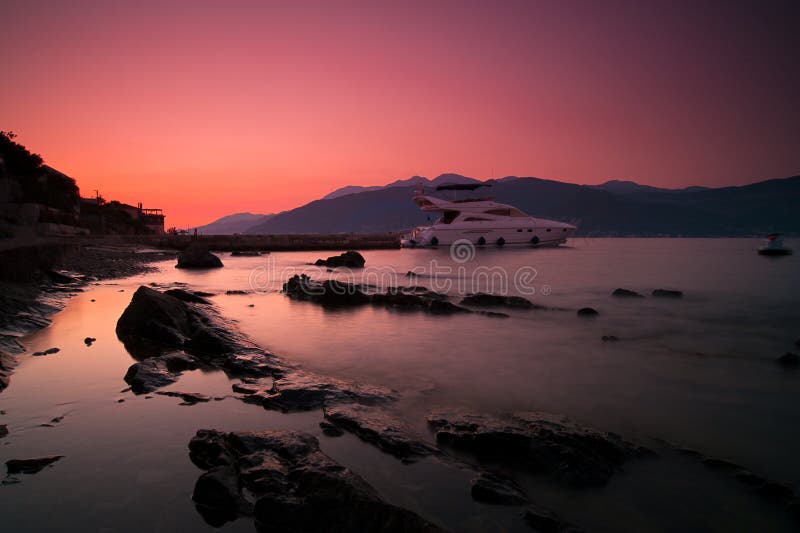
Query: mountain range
{"points": [[614, 208]]}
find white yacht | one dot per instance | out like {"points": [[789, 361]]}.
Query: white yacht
{"points": [[483, 221]]}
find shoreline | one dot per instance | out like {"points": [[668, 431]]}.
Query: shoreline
{"points": [[39, 279]]}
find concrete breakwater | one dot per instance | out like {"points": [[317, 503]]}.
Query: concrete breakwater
{"points": [[230, 243]]}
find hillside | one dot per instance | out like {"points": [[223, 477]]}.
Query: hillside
{"points": [[230, 224], [753, 209]]}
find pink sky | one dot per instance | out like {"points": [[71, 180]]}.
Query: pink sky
{"points": [[209, 108]]}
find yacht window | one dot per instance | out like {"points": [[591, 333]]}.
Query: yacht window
{"points": [[530, 230], [548, 229], [514, 212], [500, 212], [519, 231], [449, 216], [476, 219]]}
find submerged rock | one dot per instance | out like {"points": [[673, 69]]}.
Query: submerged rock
{"points": [[300, 390], [381, 429], [289, 484], [349, 259], [189, 398], [481, 299], [330, 430], [545, 521], [540, 442], [30, 466], [48, 351], [196, 255], [625, 293], [666, 293], [587, 312], [789, 360], [490, 488]]}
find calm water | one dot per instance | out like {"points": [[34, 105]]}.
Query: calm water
{"points": [[697, 371]]}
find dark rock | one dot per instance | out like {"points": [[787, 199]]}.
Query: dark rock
{"points": [[587, 311], [481, 299], [48, 351], [30, 466], [666, 293], [121, 400], [245, 253], [189, 398], [610, 338], [236, 292], [625, 293], [349, 259], [203, 294], [379, 428], [329, 292], [493, 314], [296, 487], [196, 255], [187, 296], [300, 390], [789, 360], [330, 430], [149, 375], [89, 340], [545, 521], [3, 431], [490, 488], [540, 442]]}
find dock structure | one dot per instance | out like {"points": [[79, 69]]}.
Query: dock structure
{"points": [[286, 242]]}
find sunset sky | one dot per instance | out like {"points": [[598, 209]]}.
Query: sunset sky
{"points": [[209, 108]]}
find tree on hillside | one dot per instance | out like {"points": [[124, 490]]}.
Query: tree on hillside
{"points": [[17, 159]]}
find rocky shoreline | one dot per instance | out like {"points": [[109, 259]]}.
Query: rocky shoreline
{"points": [[52, 277]]}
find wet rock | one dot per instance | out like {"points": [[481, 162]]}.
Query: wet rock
{"points": [[349, 259], [490, 488], [189, 398], [666, 293], [48, 351], [587, 312], [7, 363], [234, 292], [789, 360], [3, 431], [88, 341], [545, 521], [481, 299], [149, 375], [609, 338], [290, 485], [330, 430], [329, 292], [540, 442], [30, 466], [625, 293], [197, 256], [203, 294], [187, 296], [300, 390], [380, 429]]}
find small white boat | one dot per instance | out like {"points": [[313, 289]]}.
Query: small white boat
{"points": [[483, 221], [773, 245]]}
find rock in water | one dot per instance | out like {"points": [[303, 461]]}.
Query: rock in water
{"points": [[609, 338], [48, 351], [187, 296], [349, 259], [789, 360], [481, 299], [666, 293], [196, 255], [30, 466], [587, 311], [540, 442], [379, 428], [490, 488], [544, 521], [296, 487], [625, 293], [3, 431]]}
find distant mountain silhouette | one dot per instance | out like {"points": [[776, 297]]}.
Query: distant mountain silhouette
{"points": [[627, 209], [236, 223], [410, 182]]}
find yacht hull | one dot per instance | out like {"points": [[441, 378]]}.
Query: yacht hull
{"points": [[445, 236]]}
